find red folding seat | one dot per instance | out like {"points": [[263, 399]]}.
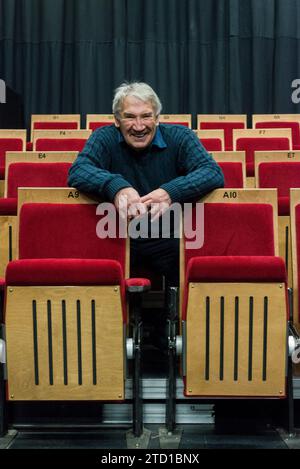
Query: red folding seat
{"points": [[94, 121], [212, 140], [66, 303], [280, 121], [60, 140], [178, 119], [252, 140], [234, 296], [24, 175], [225, 122], [10, 140], [233, 174]]}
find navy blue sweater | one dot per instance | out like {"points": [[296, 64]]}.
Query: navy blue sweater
{"points": [[175, 161]]}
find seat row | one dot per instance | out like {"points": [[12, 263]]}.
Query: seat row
{"points": [[68, 333]]}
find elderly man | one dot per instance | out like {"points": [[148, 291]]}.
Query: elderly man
{"points": [[148, 164]]}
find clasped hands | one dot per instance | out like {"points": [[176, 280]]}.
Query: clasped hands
{"points": [[130, 205]]}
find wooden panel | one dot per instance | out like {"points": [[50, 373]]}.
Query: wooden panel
{"points": [[176, 118], [274, 117], [2, 188], [54, 118], [221, 118], [249, 368], [8, 235], [99, 118], [89, 377]]}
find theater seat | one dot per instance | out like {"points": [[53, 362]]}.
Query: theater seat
{"points": [[67, 305], [225, 122], [234, 299]]}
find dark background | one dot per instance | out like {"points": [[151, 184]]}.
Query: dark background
{"points": [[201, 56]]}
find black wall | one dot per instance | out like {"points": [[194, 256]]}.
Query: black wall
{"points": [[201, 56]]}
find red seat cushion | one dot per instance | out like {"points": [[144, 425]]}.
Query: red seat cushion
{"points": [[212, 144], [236, 269], [65, 231], [281, 175], [55, 125], [234, 230], [233, 174], [294, 126], [250, 145], [95, 125], [227, 127], [8, 206], [50, 271], [36, 175], [60, 144]]}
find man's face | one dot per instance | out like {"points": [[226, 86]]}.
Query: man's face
{"points": [[137, 123]]}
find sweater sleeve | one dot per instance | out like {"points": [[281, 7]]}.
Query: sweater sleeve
{"points": [[90, 171], [200, 173]]}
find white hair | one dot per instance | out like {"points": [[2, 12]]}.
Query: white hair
{"points": [[140, 91]]}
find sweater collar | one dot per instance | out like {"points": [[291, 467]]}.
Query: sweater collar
{"points": [[158, 140]]}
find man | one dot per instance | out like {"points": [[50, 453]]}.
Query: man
{"points": [[148, 164]]}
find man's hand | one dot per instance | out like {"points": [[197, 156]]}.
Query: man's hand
{"points": [[128, 203], [159, 201]]}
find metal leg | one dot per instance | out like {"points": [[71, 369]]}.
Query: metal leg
{"points": [[3, 421], [171, 381], [137, 382]]}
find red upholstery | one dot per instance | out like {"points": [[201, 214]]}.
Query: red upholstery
{"points": [[8, 144], [250, 145], [281, 175], [236, 230], [64, 272], [284, 206], [227, 127], [36, 175], [236, 269], [95, 125], [137, 282], [60, 144], [55, 125], [186, 124], [212, 144], [65, 231], [29, 146], [238, 247], [233, 174], [8, 206], [297, 226], [294, 126]]}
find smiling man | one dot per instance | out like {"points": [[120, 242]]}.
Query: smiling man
{"points": [[150, 165]]}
